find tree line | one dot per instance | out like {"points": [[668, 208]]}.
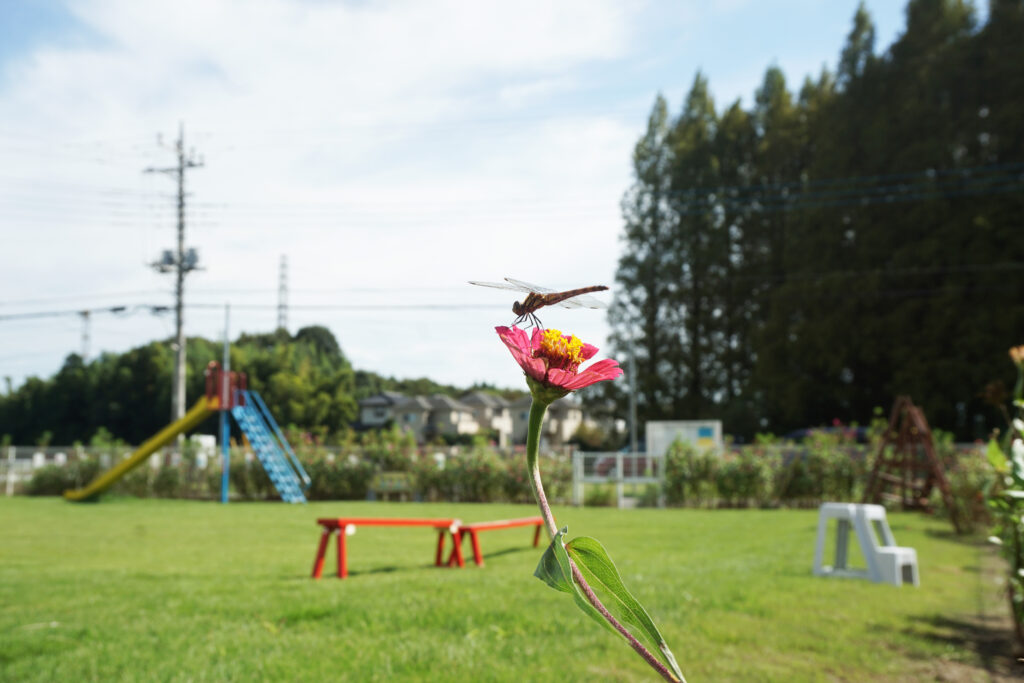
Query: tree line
{"points": [[305, 379], [811, 256]]}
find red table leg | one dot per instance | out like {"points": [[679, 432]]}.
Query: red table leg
{"points": [[342, 557], [536, 536], [321, 551], [440, 548], [478, 555], [457, 542]]}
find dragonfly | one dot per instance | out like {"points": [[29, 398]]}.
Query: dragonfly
{"points": [[538, 297]]}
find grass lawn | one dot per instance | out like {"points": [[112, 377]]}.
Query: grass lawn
{"points": [[177, 590]]}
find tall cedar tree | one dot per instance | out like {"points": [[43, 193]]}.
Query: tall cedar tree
{"points": [[812, 257]]}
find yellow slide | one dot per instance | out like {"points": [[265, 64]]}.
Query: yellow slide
{"points": [[199, 412]]}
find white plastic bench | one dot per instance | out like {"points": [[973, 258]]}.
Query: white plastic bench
{"points": [[886, 561]]}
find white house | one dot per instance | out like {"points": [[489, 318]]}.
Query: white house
{"points": [[491, 412], [449, 416], [561, 421]]}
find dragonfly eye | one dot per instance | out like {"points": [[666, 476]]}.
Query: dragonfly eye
{"points": [[517, 308]]}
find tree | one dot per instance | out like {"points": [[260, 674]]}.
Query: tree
{"points": [[642, 314], [810, 258]]}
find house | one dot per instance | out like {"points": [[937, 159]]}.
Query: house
{"points": [[561, 421], [449, 416], [564, 417], [429, 417], [491, 412], [412, 415], [378, 411], [520, 409]]}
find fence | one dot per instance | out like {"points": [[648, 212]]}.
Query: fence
{"points": [[618, 469], [19, 463]]}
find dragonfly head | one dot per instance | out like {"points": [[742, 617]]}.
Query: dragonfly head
{"points": [[517, 308]]}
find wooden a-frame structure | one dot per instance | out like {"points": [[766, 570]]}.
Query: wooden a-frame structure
{"points": [[906, 466]]}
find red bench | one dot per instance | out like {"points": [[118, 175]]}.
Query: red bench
{"points": [[474, 530], [341, 526]]}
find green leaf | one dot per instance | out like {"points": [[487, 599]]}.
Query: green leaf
{"points": [[600, 572], [552, 570], [995, 456], [555, 571]]}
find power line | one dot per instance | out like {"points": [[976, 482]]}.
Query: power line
{"points": [[117, 310]]}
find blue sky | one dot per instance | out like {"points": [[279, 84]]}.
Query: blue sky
{"points": [[390, 150]]}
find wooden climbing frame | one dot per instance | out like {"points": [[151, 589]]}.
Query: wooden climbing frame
{"points": [[906, 467]]}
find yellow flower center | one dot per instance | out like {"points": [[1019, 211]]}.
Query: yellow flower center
{"points": [[561, 351]]}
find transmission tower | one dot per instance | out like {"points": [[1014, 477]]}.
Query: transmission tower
{"points": [[282, 295], [180, 262]]}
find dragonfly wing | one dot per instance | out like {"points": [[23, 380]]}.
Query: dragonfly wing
{"points": [[583, 301], [500, 285], [527, 287]]}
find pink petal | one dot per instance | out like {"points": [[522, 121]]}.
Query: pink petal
{"points": [[588, 351], [536, 338], [513, 335], [519, 345], [560, 378], [602, 370]]}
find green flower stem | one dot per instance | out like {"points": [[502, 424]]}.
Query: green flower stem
{"points": [[537, 410]]}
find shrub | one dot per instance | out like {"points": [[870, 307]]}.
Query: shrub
{"points": [[473, 477], [249, 479], [48, 480], [557, 473], [338, 478], [599, 495], [743, 478], [390, 451], [969, 478], [80, 471], [135, 483], [690, 475], [515, 480], [167, 482]]}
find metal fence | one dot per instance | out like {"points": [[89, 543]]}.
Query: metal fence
{"points": [[617, 469], [18, 463]]}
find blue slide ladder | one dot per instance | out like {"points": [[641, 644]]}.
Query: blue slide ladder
{"points": [[282, 441], [271, 456]]}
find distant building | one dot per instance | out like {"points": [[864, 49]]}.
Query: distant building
{"points": [[449, 416], [561, 421], [412, 415], [378, 411], [427, 418], [491, 412], [520, 409]]}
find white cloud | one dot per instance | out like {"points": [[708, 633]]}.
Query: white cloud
{"points": [[387, 146]]}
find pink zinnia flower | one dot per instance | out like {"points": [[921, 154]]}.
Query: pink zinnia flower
{"points": [[552, 359]]}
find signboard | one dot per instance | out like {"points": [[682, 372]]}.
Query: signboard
{"points": [[703, 434]]}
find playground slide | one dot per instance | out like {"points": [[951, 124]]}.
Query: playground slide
{"points": [[199, 412]]}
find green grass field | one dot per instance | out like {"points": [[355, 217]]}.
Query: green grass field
{"points": [[175, 590]]}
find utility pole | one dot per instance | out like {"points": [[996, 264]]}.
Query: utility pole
{"points": [[282, 295], [225, 400], [86, 321], [180, 262], [633, 445]]}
